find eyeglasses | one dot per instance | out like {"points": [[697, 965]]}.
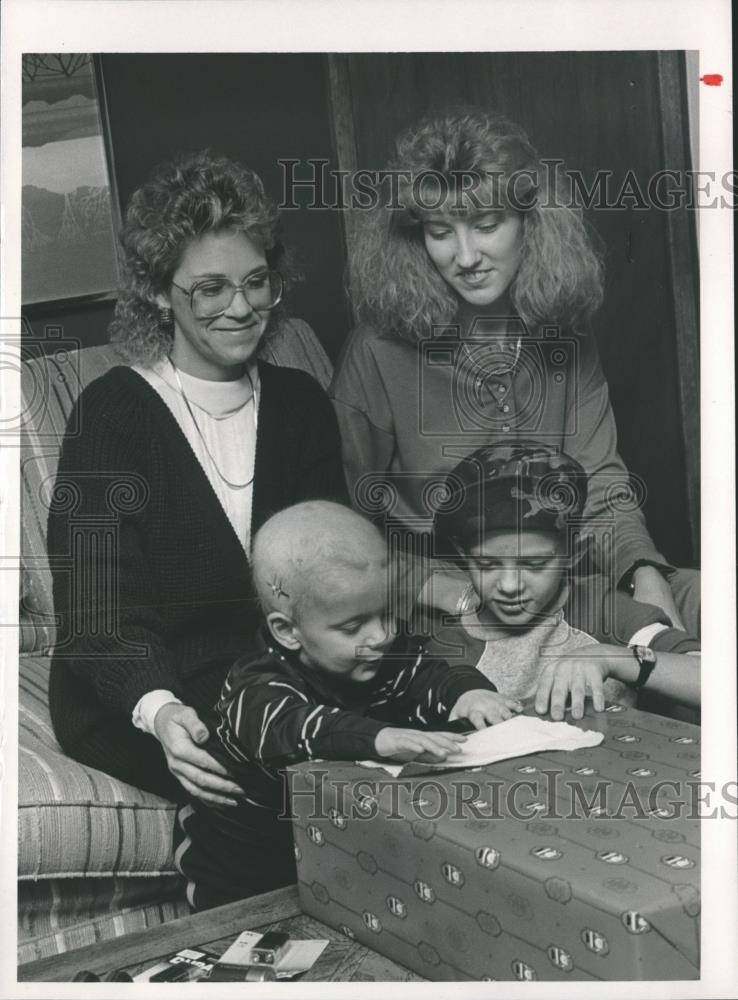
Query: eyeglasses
{"points": [[214, 296]]}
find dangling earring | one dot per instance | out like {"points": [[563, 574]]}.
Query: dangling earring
{"points": [[166, 318]]}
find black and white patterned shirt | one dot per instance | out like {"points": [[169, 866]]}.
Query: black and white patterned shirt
{"points": [[274, 711]]}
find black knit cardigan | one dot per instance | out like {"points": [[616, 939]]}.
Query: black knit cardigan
{"points": [[151, 583]]}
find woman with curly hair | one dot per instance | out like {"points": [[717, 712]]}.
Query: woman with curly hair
{"points": [[475, 279], [206, 442]]}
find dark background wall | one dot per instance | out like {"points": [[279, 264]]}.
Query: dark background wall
{"points": [[612, 111]]}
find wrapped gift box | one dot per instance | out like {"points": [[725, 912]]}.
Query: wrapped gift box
{"points": [[559, 865]]}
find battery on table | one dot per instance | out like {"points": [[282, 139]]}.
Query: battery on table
{"points": [[186, 966]]}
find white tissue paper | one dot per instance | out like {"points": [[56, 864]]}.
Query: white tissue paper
{"points": [[516, 737]]}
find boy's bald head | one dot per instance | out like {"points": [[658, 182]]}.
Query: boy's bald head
{"points": [[307, 551]]}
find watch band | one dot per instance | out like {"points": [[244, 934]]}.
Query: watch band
{"points": [[627, 581], [647, 660]]}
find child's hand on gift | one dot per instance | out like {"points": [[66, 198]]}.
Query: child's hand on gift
{"points": [[574, 676], [484, 708], [403, 745]]}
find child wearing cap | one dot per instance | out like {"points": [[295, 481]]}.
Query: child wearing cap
{"points": [[326, 678], [511, 516]]}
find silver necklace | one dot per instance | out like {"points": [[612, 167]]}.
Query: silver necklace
{"points": [[483, 373], [183, 394]]}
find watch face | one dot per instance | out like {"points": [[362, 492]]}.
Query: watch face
{"points": [[644, 654]]}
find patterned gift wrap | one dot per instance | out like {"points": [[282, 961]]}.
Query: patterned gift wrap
{"points": [[580, 865]]}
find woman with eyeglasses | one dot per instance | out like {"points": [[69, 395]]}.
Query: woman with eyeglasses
{"points": [[186, 450], [475, 280]]}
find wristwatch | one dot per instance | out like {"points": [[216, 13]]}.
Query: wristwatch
{"points": [[647, 660]]}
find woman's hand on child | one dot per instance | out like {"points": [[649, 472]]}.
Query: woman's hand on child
{"points": [[404, 745], [179, 729], [484, 708], [574, 676]]}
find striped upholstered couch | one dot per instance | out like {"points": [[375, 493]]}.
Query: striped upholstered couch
{"points": [[94, 856]]}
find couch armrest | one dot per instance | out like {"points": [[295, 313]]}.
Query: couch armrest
{"points": [[74, 820]]}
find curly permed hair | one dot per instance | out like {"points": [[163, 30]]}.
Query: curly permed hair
{"points": [[195, 193], [393, 280]]}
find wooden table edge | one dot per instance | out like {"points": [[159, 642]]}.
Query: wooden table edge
{"points": [[166, 939]]}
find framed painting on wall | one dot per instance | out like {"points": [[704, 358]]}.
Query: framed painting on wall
{"points": [[70, 214]]}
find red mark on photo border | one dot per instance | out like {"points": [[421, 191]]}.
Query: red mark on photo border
{"points": [[712, 79]]}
